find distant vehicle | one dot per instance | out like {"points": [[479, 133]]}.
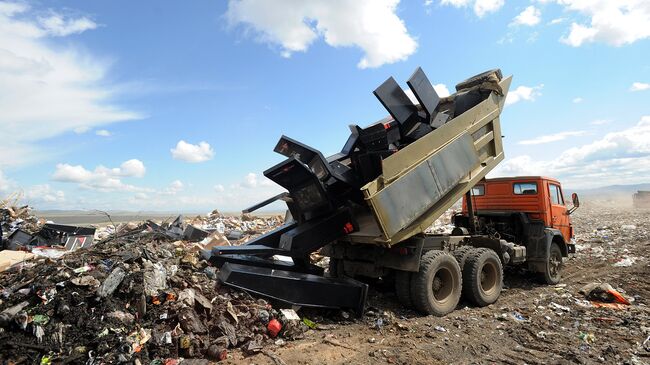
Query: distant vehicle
{"points": [[641, 199]]}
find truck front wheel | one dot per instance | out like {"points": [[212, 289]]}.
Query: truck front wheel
{"points": [[553, 269], [436, 287], [482, 277]]}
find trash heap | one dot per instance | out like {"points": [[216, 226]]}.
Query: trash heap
{"points": [[610, 237], [443, 225], [139, 294], [14, 216], [237, 229]]}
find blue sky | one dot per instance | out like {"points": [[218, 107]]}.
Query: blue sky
{"points": [[177, 106]]}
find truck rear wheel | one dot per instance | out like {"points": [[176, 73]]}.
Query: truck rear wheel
{"points": [[482, 277], [552, 273], [403, 288], [461, 254], [436, 288]]}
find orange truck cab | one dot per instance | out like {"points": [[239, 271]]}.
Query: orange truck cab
{"points": [[525, 210]]}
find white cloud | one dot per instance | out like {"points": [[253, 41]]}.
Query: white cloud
{"points": [[43, 194], [251, 180], [82, 129], [102, 178], [48, 84], [61, 26], [219, 188], [441, 90], [176, 185], [192, 152], [552, 137], [103, 133], [615, 22], [131, 167], [621, 157], [578, 100], [480, 7], [639, 86], [556, 21], [456, 3], [524, 93], [140, 196], [174, 188], [578, 35], [600, 122], [530, 16], [483, 7], [294, 25]]}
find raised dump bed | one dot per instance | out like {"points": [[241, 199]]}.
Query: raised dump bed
{"points": [[390, 181], [424, 179]]}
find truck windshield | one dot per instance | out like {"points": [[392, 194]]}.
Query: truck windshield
{"points": [[525, 188]]}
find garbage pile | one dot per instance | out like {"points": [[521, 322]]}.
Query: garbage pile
{"points": [[443, 225], [612, 242], [237, 229], [15, 217], [140, 294]]}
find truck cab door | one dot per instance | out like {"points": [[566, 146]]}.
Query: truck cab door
{"points": [[559, 212]]}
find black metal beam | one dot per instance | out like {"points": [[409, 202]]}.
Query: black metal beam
{"points": [[296, 288]]}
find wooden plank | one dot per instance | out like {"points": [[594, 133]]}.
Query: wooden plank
{"points": [[9, 258]]}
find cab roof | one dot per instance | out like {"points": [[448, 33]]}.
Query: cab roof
{"points": [[521, 178]]}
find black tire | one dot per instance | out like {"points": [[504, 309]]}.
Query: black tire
{"points": [[552, 273], [460, 254], [482, 277], [436, 288], [403, 288]]}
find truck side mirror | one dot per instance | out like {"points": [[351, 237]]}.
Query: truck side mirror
{"points": [[576, 203]]}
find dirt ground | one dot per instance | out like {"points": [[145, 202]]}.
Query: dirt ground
{"points": [[531, 323]]}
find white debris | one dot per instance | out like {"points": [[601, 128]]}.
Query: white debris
{"points": [[626, 262]]}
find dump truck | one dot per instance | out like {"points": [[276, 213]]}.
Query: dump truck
{"points": [[368, 208]]}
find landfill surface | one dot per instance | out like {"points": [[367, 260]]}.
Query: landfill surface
{"points": [[141, 295]]}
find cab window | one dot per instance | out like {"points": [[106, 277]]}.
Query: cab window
{"points": [[478, 190], [525, 188], [556, 195]]}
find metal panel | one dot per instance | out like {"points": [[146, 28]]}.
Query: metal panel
{"points": [[423, 91], [407, 198], [395, 100]]}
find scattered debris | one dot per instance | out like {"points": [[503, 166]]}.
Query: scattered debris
{"points": [[140, 294]]}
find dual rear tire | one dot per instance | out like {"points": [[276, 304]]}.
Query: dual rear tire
{"points": [[437, 287], [482, 277]]}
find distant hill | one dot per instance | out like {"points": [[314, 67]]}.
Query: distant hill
{"points": [[612, 195], [614, 190]]}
